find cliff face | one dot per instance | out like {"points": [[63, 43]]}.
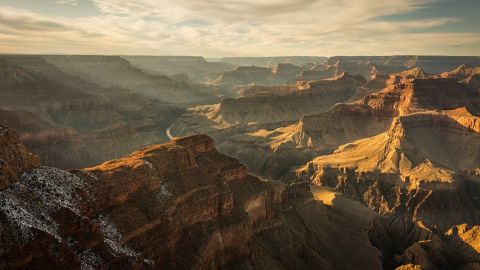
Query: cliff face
{"points": [[462, 72], [310, 97], [421, 189], [420, 174], [272, 109], [269, 152], [364, 68], [45, 222], [14, 158], [409, 148], [318, 72], [422, 94], [179, 205], [282, 73]]}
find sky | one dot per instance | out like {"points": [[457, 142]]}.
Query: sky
{"points": [[218, 28]]}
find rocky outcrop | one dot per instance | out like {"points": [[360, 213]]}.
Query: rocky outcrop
{"points": [[407, 76], [318, 72], [245, 75], [282, 73], [287, 69], [462, 72], [467, 74], [180, 205], [442, 94], [363, 68], [14, 158], [422, 94]]}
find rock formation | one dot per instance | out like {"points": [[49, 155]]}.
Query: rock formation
{"points": [[368, 66], [273, 152], [423, 191], [270, 152], [233, 116], [318, 72], [108, 71], [179, 205], [431, 64], [14, 158], [282, 73], [197, 68], [272, 61], [364, 68], [57, 114], [379, 170], [468, 75], [462, 72]]}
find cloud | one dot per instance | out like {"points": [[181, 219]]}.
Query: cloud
{"points": [[236, 27], [24, 23], [67, 2]]}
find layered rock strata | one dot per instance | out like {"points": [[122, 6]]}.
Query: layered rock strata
{"points": [[180, 205]]}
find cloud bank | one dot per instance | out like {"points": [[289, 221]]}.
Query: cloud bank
{"points": [[217, 28]]}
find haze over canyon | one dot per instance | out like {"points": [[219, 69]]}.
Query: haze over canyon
{"points": [[310, 134]]}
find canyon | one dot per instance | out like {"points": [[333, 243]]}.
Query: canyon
{"points": [[267, 107], [179, 205], [114, 71], [415, 185], [56, 114], [271, 145], [166, 162]]}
